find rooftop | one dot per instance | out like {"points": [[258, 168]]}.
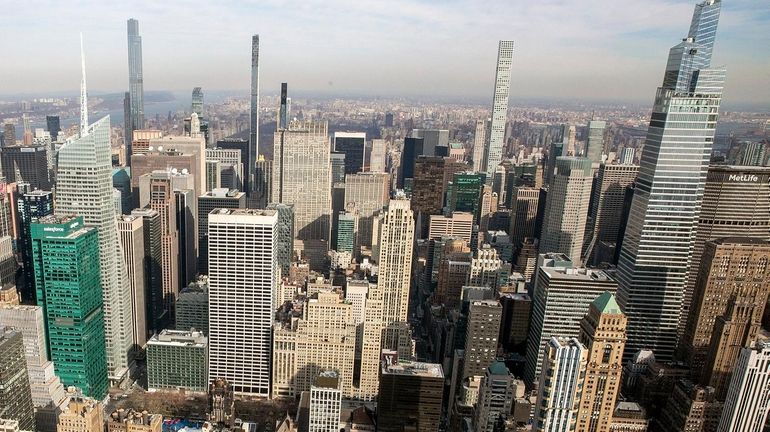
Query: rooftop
{"points": [[606, 304], [180, 338], [428, 370]]}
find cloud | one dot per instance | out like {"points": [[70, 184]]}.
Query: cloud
{"points": [[597, 49]]}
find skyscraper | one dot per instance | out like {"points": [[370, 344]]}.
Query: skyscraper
{"points": [[84, 187], [524, 205], [479, 144], [325, 403], [53, 126], [285, 234], [131, 232], [394, 258], [496, 134], [67, 278], [410, 397], [368, 193], [135, 78], [30, 205], [595, 143], [481, 336], [26, 163], [254, 116], [747, 402], [15, 393], [156, 313], [559, 391], [197, 101], [603, 333], [566, 207], [242, 279], [215, 199], [352, 145], [496, 394], [654, 259]]}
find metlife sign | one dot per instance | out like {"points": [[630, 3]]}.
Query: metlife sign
{"points": [[743, 178]]}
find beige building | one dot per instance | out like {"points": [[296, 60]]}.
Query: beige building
{"points": [[131, 235], [460, 224], [134, 421], [395, 230], [366, 194], [141, 140], [81, 414], [603, 332], [524, 204], [187, 145]]}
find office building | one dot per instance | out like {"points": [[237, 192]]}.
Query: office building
{"points": [[459, 225], [428, 188], [53, 126], [450, 267], [514, 321], [285, 233], [302, 176], [242, 279], [663, 240], [214, 199], [29, 205], [158, 187], [627, 156], [603, 333], [9, 134], [162, 159], [82, 414], [561, 298], [689, 408], [727, 307], [594, 148], [352, 145], [394, 258], [67, 276], [410, 396], [28, 164], [15, 393], [481, 336], [746, 405], [131, 234], [495, 399], [325, 403], [413, 147], [559, 389], [192, 307], [366, 194], [378, 158], [566, 207], [479, 145], [263, 183], [253, 146], [177, 360], [128, 420], [346, 232], [736, 203], [179, 145], [433, 140], [197, 101], [231, 175], [135, 80], [496, 133], [186, 210], [121, 181], [156, 313], [524, 205], [606, 209], [140, 144], [338, 167], [487, 269], [46, 387], [752, 153]]}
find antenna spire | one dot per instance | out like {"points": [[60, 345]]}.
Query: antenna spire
{"points": [[83, 92]]}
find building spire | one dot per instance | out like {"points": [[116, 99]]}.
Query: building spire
{"points": [[83, 92]]}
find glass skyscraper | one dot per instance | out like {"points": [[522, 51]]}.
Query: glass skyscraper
{"points": [[67, 272], [135, 78], [659, 238]]}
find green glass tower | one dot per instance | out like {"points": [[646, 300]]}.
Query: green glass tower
{"points": [[65, 255], [346, 232], [465, 193]]}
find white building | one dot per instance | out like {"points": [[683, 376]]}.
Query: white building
{"points": [[325, 403], [496, 134], [243, 279], [377, 157], [564, 363], [394, 257], [748, 398]]}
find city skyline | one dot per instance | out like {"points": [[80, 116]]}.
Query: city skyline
{"points": [[554, 57]]}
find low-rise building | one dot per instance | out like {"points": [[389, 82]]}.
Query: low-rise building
{"points": [[177, 359]]}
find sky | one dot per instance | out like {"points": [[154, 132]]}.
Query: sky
{"points": [[588, 50]]}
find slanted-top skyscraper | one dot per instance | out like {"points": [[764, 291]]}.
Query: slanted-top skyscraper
{"points": [[659, 238], [84, 188], [135, 79], [496, 134], [254, 117]]}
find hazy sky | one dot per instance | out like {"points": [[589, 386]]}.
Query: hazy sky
{"points": [[565, 49]]}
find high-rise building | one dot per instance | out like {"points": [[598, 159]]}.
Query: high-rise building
{"points": [[128, 420], [603, 333], [413, 147], [657, 248], [67, 277], [496, 134], [53, 126], [366, 194], [746, 405], [82, 414], [524, 205], [464, 194], [263, 183], [27, 164], [495, 400], [157, 186], [214, 199], [479, 145], [689, 408], [487, 269], [197, 101], [595, 142], [84, 188], [736, 203], [242, 279], [352, 145], [459, 225], [285, 234], [411, 395], [15, 393], [561, 298], [481, 336], [193, 147], [135, 79], [177, 360], [192, 307], [346, 233], [253, 149], [301, 176], [378, 158], [394, 258], [231, 175], [606, 209], [428, 188], [435, 141], [325, 403], [559, 390], [30, 205], [186, 212], [514, 321], [131, 234], [727, 307], [566, 207], [451, 265], [156, 314]]}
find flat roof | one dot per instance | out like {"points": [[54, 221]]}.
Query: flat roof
{"points": [[429, 370]]}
